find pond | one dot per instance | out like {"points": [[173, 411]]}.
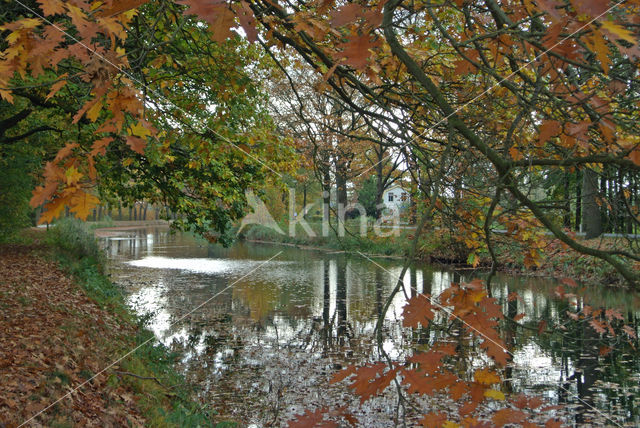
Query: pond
{"points": [[261, 328]]}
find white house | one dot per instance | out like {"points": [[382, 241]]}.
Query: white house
{"points": [[395, 197]]}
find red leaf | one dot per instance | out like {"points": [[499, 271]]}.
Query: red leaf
{"points": [[120, 6], [508, 416], [569, 282], [553, 423], [630, 331], [433, 420], [356, 51], [216, 13], [458, 390], [247, 21], [137, 144], [542, 326], [365, 387], [418, 310], [343, 374], [346, 14], [548, 129], [598, 326], [312, 419]]}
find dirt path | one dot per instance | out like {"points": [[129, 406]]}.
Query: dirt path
{"points": [[53, 338]]}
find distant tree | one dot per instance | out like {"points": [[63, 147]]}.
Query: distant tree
{"points": [[367, 196]]}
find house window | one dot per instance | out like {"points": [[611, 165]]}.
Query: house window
{"points": [[403, 197], [390, 197]]}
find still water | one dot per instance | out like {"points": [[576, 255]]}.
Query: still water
{"points": [[261, 328]]}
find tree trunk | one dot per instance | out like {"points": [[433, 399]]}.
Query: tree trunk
{"points": [[304, 200], [567, 201], [326, 201], [591, 218], [578, 220]]}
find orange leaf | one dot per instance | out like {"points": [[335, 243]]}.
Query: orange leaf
{"points": [[53, 209], [629, 331], [519, 317], [508, 416], [82, 203], [42, 193], [51, 7], [515, 153], [486, 377], [634, 156], [56, 87], [65, 151]]}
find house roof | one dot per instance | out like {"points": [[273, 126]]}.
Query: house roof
{"points": [[394, 187]]}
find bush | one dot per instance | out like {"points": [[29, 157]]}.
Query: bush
{"points": [[16, 183], [73, 236]]}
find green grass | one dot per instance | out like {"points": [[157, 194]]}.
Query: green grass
{"points": [[166, 403], [351, 241]]}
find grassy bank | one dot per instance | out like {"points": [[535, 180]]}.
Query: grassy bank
{"points": [[78, 324], [393, 245], [555, 259]]}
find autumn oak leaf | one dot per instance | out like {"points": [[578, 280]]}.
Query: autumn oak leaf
{"points": [[418, 311], [356, 53], [312, 420]]}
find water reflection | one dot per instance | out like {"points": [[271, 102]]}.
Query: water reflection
{"points": [[277, 335]]}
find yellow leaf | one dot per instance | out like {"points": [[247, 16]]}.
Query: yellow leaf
{"points": [[450, 424], [6, 95], [94, 111], [619, 31], [82, 203], [486, 377], [495, 394], [29, 23], [72, 176], [139, 130]]}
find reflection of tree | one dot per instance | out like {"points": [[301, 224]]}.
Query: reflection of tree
{"points": [[510, 338], [260, 297], [341, 301], [326, 302], [576, 349]]}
